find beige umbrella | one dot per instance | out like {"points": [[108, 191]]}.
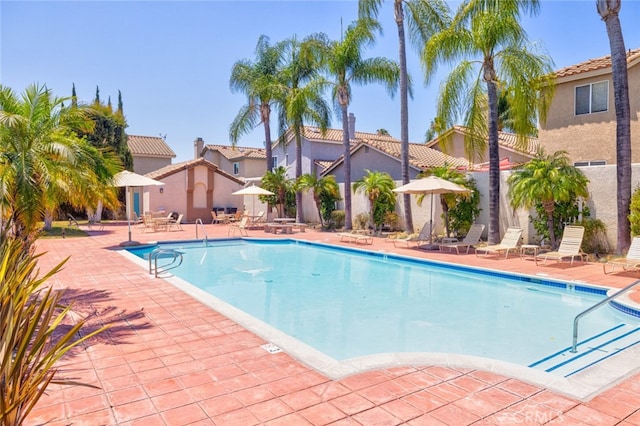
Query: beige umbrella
{"points": [[128, 180], [254, 191], [431, 185]]}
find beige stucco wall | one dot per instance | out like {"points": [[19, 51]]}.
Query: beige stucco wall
{"points": [[174, 195], [144, 165], [249, 167], [589, 137], [601, 203], [371, 159]]}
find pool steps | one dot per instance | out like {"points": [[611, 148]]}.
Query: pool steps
{"points": [[590, 351]]}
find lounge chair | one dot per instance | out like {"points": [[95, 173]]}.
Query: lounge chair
{"points": [[508, 244], [240, 226], [422, 237], [569, 246], [631, 262], [355, 238], [471, 239], [176, 222], [215, 218]]}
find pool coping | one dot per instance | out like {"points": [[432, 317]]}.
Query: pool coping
{"points": [[582, 385]]}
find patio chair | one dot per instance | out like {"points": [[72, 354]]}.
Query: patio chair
{"points": [[240, 226], [631, 262], [471, 239], [508, 244], [569, 246], [177, 223], [422, 237], [215, 218]]}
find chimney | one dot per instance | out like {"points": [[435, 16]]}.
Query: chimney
{"points": [[198, 146], [352, 126]]}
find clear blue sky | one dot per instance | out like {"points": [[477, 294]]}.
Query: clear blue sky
{"points": [[172, 60]]}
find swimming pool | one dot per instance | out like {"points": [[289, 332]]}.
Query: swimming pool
{"points": [[350, 304]]}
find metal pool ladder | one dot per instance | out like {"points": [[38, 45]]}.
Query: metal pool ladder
{"points": [[176, 260], [204, 231], [593, 308]]}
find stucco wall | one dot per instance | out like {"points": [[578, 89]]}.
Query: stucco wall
{"points": [[144, 165], [589, 137], [455, 148], [371, 159], [601, 203]]}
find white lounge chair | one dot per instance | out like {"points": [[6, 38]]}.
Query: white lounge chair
{"points": [[508, 244], [416, 240], [471, 239], [631, 262], [176, 223], [569, 246], [241, 227]]}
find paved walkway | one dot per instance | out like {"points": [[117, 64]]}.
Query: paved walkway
{"points": [[169, 360]]}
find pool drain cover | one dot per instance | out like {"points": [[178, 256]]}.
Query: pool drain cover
{"points": [[271, 348]]}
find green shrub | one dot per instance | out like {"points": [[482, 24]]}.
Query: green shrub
{"points": [[634, 215], [336, 220], [595, 236], [361, 221]]}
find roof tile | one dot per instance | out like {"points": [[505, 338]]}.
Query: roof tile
{"points": [[594, 64], [150, 146], [238, 152]]}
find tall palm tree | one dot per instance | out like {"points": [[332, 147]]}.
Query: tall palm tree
{"points": [[424, 18], [547, 179], [42, 162], [378, 187], [319, 186], [303, 96], [259, 81], [345, 64], [487, 47], [609, 11], [277, 182]]}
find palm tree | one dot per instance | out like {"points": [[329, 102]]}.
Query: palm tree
{"points": [[547, 179], [609, 11], [320, 186], [43, 163], [486, 45], [277, 182], [259, 81], [303, 96], [378, 187], [446, 200], [345, 64], [424, 18]]}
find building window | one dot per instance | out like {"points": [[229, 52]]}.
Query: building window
{"points": [[590, 163], [236, 169], [592, 98], [274, 160], [286, 160]]}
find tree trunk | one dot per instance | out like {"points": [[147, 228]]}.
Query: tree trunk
{"points": [[348, 221], [445, 212], [623, 122], [48, 220], [494, 160], [404, 114], [265, 112], [548, 207], [299, 214]]}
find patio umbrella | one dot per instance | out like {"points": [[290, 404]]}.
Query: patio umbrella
{"points": [[253, 190], [431, 185], [128, 180]]}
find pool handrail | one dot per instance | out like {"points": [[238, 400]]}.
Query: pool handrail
{"points": [[155, 254], [574, 344], [204, 231]]}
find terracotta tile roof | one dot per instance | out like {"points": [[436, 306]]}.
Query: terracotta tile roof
{"points": [[238, 152], [335, 136], [149, 146], [323, 164], [594, 64], [505, 140], [172, 169], [420, 155]]}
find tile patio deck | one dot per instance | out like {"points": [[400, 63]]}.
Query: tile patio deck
{"points": [[169, 360]]}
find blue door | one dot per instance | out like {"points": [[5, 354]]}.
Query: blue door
{"points": [[136, 202]]}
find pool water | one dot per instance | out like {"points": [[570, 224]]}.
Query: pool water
{"points": [[350, 303]]}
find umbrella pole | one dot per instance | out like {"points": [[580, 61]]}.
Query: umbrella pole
{"points": [[431, 221], [128, 212]]}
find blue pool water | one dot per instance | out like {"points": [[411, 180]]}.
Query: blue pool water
{"points": [[349, 303]]}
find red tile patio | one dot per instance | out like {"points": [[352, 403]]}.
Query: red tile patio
{"points": [[170, 360]]}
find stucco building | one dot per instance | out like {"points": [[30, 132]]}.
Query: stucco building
{"points": [[149, 153], [241, 162], [581, 119]]}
